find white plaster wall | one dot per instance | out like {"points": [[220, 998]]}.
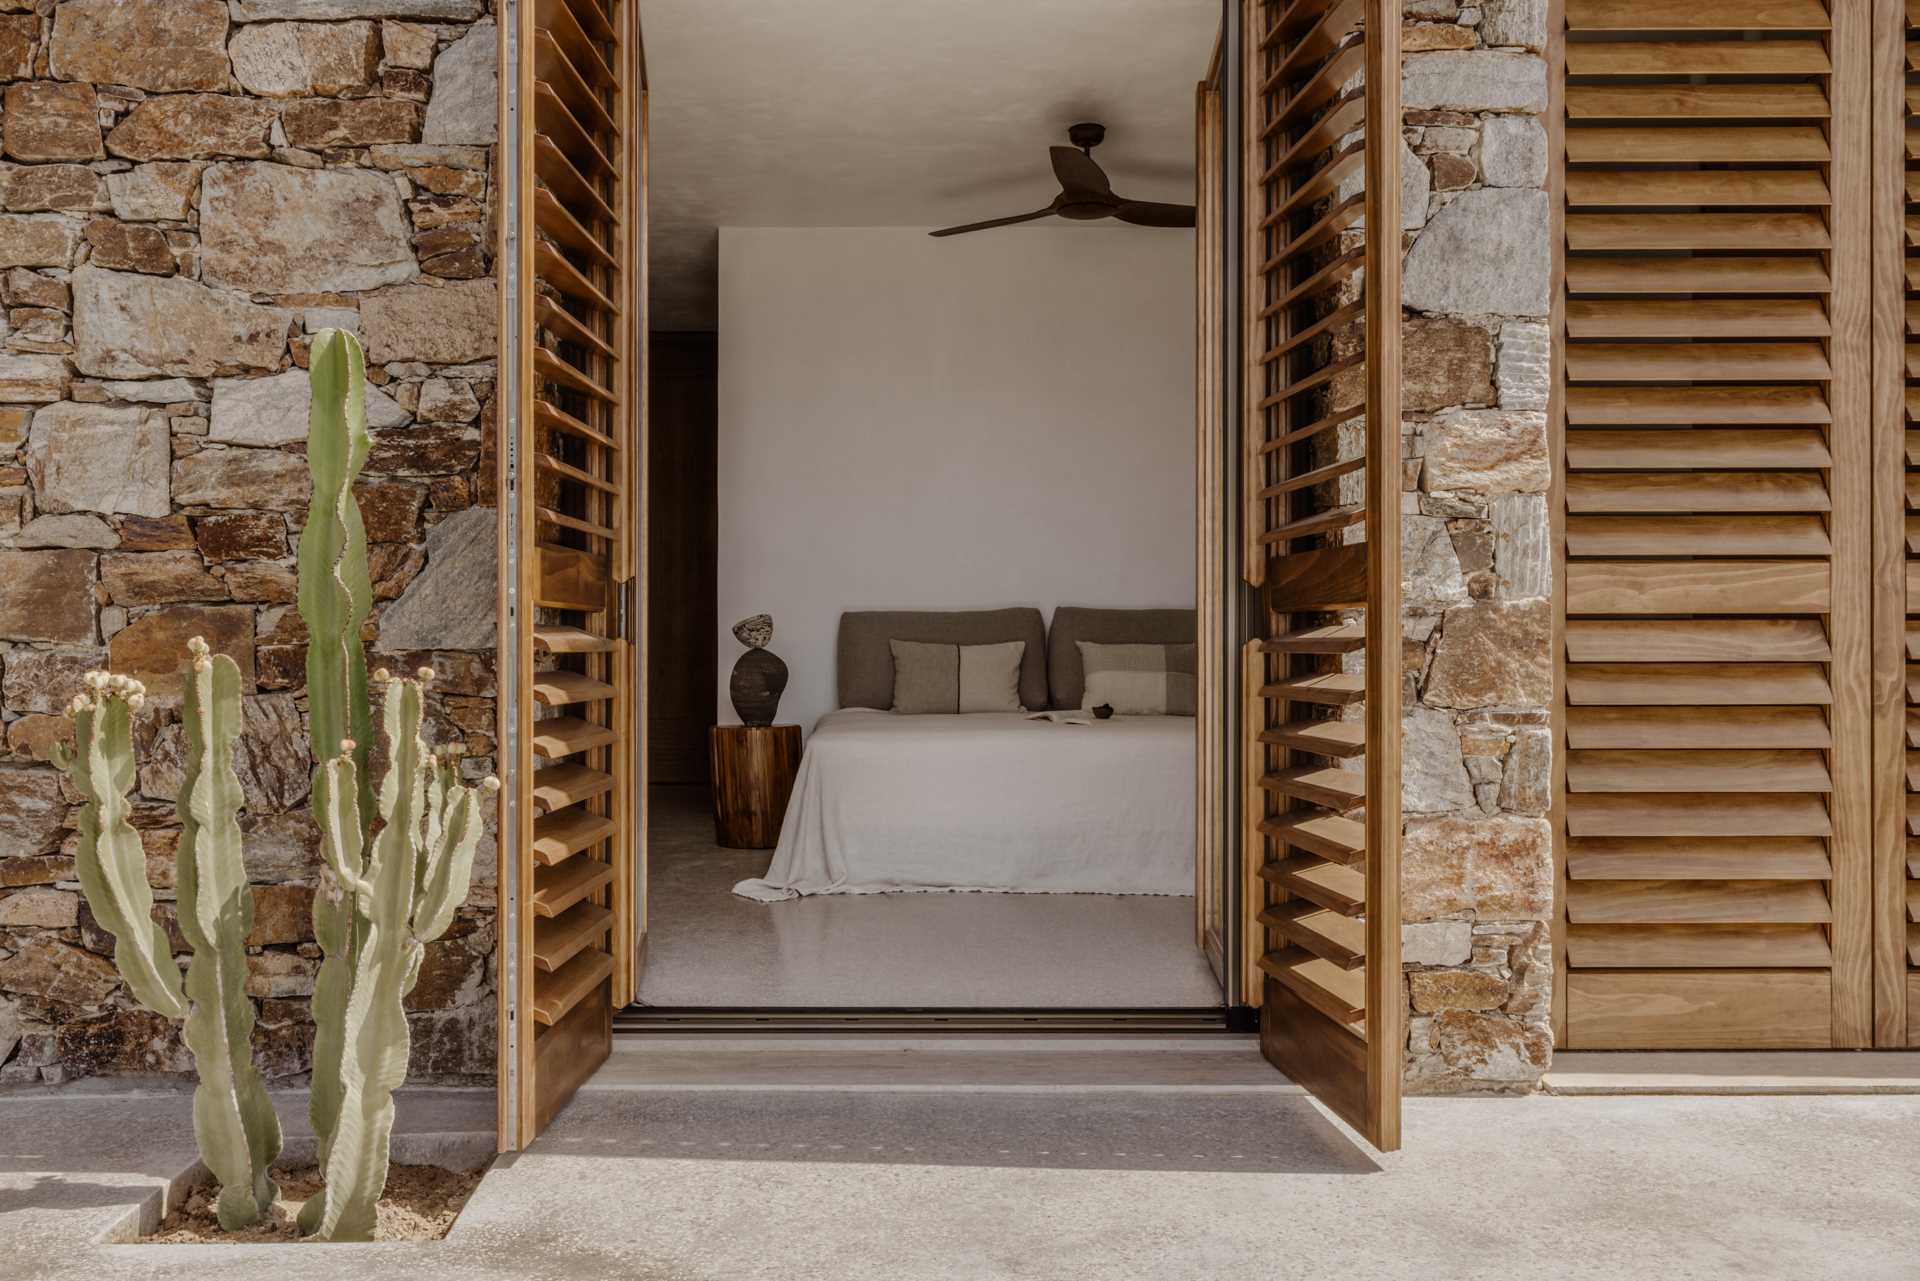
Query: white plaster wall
{"points": [[1003, 418]]}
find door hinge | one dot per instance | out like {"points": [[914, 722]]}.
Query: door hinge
{"points": [[625, 591]]}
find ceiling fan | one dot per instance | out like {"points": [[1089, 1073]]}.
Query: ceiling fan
{"points": [[1085, 193]]}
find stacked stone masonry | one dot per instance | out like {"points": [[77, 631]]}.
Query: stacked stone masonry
{"points": [[188, 190], [1477, 880]]}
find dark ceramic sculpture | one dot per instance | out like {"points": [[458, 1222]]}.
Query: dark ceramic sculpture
{"points": [[1104, 712], [759, 678]]}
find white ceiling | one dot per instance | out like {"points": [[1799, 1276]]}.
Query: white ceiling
{"points": [[900, 113]]}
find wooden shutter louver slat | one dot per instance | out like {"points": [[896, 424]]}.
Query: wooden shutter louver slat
{"points": [[1716, 794], [578, 131], [1321, 467]]}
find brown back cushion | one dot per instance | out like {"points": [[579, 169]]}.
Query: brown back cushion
{"points": [[1073, 623], [866, 657]]}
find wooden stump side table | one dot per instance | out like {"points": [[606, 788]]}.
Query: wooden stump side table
{"points": [[753, 772]]}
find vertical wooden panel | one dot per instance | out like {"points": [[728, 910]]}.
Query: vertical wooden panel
{"points": [[1212, 525], [1714, 275], [1896, 936], [577, 130], [1322, 520]]}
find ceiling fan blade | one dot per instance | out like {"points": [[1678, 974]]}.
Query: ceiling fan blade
{"points": [[1077, 172], [1151, 213], [993, 222]]}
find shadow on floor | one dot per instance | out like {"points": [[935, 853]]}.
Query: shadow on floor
{"points": [[1215, 1133], [57, 1192]]}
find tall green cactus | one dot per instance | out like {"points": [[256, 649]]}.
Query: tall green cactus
{"points": [[336, 598], [398, 870], [110, 858], [233, 1119], [405, 886]]}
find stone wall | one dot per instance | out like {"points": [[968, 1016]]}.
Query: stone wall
{"points": [[1477, 881], [190, 188]]}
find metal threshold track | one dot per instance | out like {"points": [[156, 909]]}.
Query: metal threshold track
{"points": [[646, 1018]]}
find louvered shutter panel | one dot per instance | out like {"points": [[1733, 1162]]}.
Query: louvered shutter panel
{"points": [[571, 751], [1322, 541], [1717, 788]]}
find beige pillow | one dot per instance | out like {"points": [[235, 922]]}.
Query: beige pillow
{"points": [[956, 678], [1140, 680]]}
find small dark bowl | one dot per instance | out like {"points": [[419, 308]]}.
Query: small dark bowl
{"points": [[1104, 712]]}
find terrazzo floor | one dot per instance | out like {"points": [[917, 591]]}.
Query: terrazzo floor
{"points": [[889, 951]]}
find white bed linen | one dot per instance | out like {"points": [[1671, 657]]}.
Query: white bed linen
{"points": [[987, 801]]}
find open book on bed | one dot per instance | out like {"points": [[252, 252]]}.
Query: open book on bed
{"points": [[1069, 716]]}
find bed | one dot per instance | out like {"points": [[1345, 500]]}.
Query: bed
{"points": [[986, 801]]}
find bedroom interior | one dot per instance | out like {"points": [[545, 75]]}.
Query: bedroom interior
{"points": [[940, 464]]}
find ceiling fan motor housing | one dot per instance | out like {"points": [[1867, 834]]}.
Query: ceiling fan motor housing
{"points": [[1086, 135]]}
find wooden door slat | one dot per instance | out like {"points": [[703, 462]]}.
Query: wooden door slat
{"points": [[1333, 688], [1697, 536], [559, 836], [1697, 903], [1695, 102], [1692, 317], [558, 939], [1330, 638], [1339, 790], [1697, 814], [1696, 448], [1696, 15], [1334, 937], [558, 786], [1697, 684], [559, 689], [1690, 770], [1702, 858], [1330, 836], [1710, 724], [1335, 991], [1688, 640], [557, 993], [1735, 188], [559, 736], [1331, 885], [1603, 947], [1321, 738], [560, 886]]}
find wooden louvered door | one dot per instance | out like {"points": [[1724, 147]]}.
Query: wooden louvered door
{"points": [[1716, 801], [1896, 577], [568, 510], [1321, 706]]}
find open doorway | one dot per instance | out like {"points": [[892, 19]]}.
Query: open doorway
{"points": [[978, 444]]}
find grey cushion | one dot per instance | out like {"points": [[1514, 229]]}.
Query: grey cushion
{"points": [[1139, 680], [1073, 623], [866, 658], [930, 678]]}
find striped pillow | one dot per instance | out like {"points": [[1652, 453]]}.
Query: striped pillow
{"points": [[1140, 680], [956, 678]]}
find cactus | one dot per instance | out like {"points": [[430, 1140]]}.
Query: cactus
{"points": [[233, 1119], [111, 861], [336, 597], [396, 871], [405, 887], [398, 868]]}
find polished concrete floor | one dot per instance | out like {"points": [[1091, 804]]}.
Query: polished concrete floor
{"points": [[707, 947], [1172, 1161]]}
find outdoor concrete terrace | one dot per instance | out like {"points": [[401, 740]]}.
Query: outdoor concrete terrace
{"points": [[1183, 1158]]}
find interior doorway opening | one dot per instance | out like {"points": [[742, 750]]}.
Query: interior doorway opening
{"points": [[974, 440]]}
